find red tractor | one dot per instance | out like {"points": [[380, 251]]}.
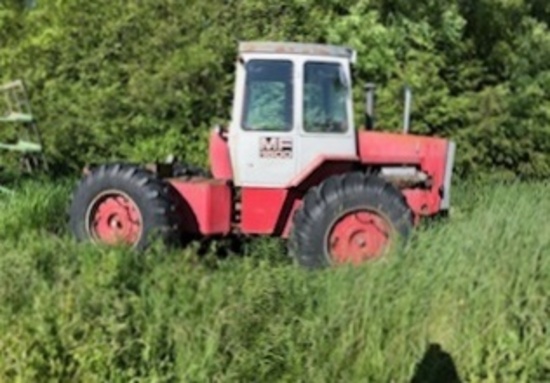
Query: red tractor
{"points": [[291, 164]]}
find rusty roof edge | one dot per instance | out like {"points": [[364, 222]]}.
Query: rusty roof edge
{"points": [[296, 48]]}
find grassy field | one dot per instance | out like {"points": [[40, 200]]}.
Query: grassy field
{"points": [[470, 294]]}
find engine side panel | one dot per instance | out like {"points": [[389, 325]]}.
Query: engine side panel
{"points": [[429, 154], [205, 206]]}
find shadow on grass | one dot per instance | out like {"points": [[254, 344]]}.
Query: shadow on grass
{"points": [[436, 366], [216, 250], [13, 181]]}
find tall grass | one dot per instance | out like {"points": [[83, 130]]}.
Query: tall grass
{"points": [[469, 294]]}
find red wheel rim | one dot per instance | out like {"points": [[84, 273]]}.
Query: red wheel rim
{"points": [[359, 236], [114, 218]]}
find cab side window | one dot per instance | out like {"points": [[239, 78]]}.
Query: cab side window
{"points": [[325, 98], [269, 91]]}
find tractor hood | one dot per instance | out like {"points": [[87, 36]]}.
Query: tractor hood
{"points": [[395, 148], [430, 155]]}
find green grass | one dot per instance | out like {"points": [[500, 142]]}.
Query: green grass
{"points": [[477, 286]]}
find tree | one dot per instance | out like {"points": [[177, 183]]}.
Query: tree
{"points": [[140, 80]]}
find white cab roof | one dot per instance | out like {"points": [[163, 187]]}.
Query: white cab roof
{"points": [[297, 48]]}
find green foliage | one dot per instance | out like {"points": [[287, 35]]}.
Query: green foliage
{"points": [[140, 80], [476, 286]]}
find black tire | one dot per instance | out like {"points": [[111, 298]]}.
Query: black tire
{"points": [[326, 203], [149, 194]]}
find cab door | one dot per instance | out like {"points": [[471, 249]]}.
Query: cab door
{"points": [[326, 127], [264, 150]]}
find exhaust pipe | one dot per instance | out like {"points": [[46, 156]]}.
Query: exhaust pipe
{"points": [[407, 115], [369, 105]]}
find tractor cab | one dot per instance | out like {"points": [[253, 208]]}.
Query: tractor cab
{"points": [[292, 107]]}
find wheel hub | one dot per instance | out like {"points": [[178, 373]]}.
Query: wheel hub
{"points": [[359, 236], [115, 218]]}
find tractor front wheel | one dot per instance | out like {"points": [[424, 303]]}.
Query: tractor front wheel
{"points": [[350, 218], [122, 204]]}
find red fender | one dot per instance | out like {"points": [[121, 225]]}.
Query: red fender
{"points": [[218, 153]]}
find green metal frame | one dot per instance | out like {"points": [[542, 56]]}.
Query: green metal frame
{"points": [[17, 110]]}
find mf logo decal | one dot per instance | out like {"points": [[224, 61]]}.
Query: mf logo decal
{"points": [[275, 147]]}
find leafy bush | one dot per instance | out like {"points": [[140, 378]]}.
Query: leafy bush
{"points": [[140, 80]]}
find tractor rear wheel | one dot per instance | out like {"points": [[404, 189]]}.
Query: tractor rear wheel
{"points": [[122, 204], [350, 218]]}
